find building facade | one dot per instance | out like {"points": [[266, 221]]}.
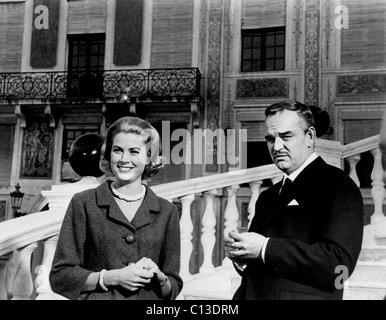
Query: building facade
{"points": [[73, 67]]}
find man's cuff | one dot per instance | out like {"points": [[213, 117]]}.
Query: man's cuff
{"points": [[263, 249]]}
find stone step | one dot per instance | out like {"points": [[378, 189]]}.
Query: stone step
{"points": [[207, 295], [364, 290], [373, 253], [370, 271]]}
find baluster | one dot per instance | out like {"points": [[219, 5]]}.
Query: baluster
{"points": [[255, 191], [231, 216], [352, 161], [3, 275], [23, 285], [378, 190], [42, 282], [186, 227], [208, 238]]}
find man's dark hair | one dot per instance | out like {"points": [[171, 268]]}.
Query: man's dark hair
{"points": [[303, 111]]}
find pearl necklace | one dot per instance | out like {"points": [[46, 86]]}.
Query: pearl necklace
{"points": [[126, 197]]}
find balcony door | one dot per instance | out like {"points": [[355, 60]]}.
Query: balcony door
{"points": [[86, 57], [171, 171]]}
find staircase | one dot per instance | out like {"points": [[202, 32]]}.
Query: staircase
{"points": [[27, 244], [368, 282]]}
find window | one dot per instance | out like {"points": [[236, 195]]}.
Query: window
{"points": [[171, 171], [85, 65], [263, 49], [255, 148], [355, 130]]}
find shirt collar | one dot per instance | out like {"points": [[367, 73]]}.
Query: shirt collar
{"points": [[294, 174]]}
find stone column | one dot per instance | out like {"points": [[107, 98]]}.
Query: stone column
{"points": [[378, 190], [255, 191], [208, 238], [3, 275], [186, 228], [23, 286], [231, 216]]}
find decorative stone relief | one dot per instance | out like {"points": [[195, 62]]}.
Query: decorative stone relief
{"points": [[203, 32], [214, 72], [295, 90], [228, 110], [228, 37], [328, 25], [297, 30], [330, 110], [312, 48], [262, 88], [36, 161], [361, 84]]}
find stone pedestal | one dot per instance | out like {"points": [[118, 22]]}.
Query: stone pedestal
{"points": [[60, 195]]}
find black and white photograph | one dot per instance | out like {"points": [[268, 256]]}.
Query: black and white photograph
{"points": [[201, 153]]}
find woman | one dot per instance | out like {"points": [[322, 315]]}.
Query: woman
{"points": [[120, 240]]}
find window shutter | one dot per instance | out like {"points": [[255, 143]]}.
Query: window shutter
{"points": [[355, 130], [172, 35], [44, 42], [364, 42], [11, 36], [263, 14], [128, 32], [255, 130], [87, 16]]}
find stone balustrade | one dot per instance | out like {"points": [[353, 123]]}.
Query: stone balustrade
{"points": [[20, 237]]}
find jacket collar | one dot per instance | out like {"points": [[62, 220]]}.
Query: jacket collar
{"points": [[300, 190], [150, 204]]}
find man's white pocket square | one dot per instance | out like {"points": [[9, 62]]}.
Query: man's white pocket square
{"points": [[293, 203]]}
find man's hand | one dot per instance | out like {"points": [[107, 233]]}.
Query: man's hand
{"points": [[241, 247]]}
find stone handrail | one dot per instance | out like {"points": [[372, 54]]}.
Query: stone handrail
{"points": [[20, 237], [360, 146], [22, 231]]}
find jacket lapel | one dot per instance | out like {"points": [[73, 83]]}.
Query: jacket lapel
{"points": [[307, 183], [300, 190], [145, 214], [268, 208]]}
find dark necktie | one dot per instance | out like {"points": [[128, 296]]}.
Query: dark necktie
{"points": [[285, 188]]}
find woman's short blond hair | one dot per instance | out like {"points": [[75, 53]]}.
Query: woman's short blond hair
{"points": [[150, 137]]}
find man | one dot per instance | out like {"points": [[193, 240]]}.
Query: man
{"points": [[305, 238]]}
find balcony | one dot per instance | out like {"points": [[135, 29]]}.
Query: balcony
{"points": [[24, 269], [136, 85]]}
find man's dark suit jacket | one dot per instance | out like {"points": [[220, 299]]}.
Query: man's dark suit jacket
{"points": [[307, 241]]}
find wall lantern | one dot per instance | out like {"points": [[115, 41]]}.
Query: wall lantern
{"points": [[16, 201]]}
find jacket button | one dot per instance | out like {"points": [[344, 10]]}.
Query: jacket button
{"points": [[130, 239]]}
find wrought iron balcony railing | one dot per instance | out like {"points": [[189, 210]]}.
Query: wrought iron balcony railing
{"points": [[156, 84]]}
